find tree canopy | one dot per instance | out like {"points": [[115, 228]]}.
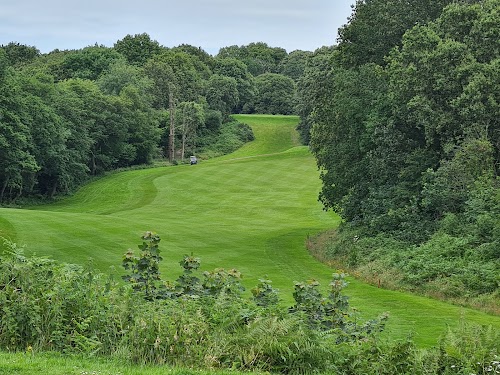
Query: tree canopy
{"points": [[388, 129], [404, 124]]}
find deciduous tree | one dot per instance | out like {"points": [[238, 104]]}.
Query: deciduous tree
{"points": [[275, 94]]}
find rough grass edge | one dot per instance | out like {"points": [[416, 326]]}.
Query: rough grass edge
{"points": [[382, 275]]}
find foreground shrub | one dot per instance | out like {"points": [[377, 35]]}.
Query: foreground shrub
{"points": [[467, 350], [277, 344], [46, 305], [203, 321]]}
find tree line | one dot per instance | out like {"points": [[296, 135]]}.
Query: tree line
{"points": [[403, 118], [68, 115]]}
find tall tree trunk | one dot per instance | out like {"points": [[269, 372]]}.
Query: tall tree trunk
{"points": [[3, 188], [171, 138], [183, 145]]}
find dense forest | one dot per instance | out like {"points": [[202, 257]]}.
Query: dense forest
{"points": [[69, 115], [403, 116]]}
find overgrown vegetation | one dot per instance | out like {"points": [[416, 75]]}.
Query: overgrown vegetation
{"points": [[403, 121], [232, 136], [192, 321], [204, 321], [445, 267]]}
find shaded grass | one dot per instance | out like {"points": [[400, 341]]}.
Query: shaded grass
{"points": [[251, 210]]}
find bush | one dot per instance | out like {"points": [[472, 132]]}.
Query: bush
{"points": [[466, 350], [204, 322], [200, 319], [45, 305], [232, 135]]}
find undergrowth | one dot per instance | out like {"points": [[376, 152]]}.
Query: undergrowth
{"points": [[446, 267], [231, 137], [202, 320]]}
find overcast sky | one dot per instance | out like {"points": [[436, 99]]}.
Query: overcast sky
{"points": [[210, 24]]}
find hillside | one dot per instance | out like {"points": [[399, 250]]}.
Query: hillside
{"points": [[252, 210]]}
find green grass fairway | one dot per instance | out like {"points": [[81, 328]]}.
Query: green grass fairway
{"points": [[251, 210]]}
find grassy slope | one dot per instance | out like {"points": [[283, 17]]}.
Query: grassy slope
{"points": [[251, 210]]}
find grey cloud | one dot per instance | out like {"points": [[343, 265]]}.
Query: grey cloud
{"points": [[210, 24]]}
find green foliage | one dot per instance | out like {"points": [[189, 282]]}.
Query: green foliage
{"points": [[181, 71], [316, 70], [275, 94], [18, 164], [232, 135], [264, 294], [138, 48], [248, 336], [323, 314], [422, 150], [213, 120], [165, 82], [87, 63], [453, 264], [72, 129], [234, 68], [120, 75], [204, 61], [222, 94], [19, 54], [145, 275], [294, 65], [403, 123], [258, 57], [72, 114], [363, 40], [332, 313], [446, 190], [469, 349], [341, 136], [144, 268], [49, 306], [220, 281], [45, 305]]}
